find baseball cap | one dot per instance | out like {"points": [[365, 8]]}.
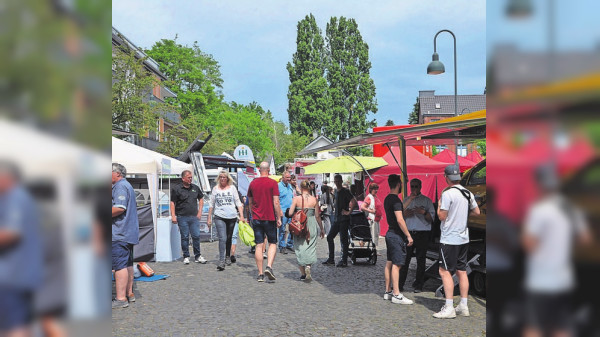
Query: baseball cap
{"points": [[452, 172]]}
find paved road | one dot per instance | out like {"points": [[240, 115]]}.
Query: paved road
{"points": [[198, 300]]}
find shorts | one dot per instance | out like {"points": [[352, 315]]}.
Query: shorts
{"points": [[16, 309], [122, 255], [549, 311], [396, 248], [453, 257], [262, 228]]}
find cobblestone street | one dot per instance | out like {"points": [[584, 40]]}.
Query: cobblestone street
{"points": [[198, 300]]}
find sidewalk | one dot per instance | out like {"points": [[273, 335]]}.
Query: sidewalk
{"points": [[198, 300]]}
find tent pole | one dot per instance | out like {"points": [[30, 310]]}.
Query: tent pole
{"points": [[393, 156], [402, 143]]}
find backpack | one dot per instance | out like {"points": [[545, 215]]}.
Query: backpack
{"points": [[467, 196], [298, 223]]}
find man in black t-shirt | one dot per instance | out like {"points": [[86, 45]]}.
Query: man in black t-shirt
{"points": [[342, 222], [396, 240], [186, 210]]}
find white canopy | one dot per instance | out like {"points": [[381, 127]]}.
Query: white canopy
{"points": [[137, 159], [40, 155]]}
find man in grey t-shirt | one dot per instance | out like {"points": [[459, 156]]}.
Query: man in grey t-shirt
{"points": [[455, 206]]}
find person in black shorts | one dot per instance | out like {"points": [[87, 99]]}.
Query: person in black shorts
{"points": [[397, 239]]}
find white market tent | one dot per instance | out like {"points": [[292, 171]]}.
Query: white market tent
{"points": [[66, 166], [138, 160]]}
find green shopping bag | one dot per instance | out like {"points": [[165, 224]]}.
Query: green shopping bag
{"points": [[246, 234]]}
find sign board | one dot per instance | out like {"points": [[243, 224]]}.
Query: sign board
{"points": [[243, 152], [166, 166]]}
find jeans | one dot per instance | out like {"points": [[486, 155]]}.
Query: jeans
{"points": [[235, 233], [281, 236], [225, 232], [342, 228], [187, 225], [326, 224], [420, 244]]}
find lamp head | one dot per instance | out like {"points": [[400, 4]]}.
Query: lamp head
{"points": [[519, 9], [435, 67]]}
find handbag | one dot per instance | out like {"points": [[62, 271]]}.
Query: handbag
{"points": [[246, 234], [298, 223]]}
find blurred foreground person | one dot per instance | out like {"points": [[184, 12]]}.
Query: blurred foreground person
{"points": [[20, 253], [551, 226], [125, 234]]}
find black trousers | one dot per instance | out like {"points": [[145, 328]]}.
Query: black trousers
{"points": [[418, 249], [341, 227]]}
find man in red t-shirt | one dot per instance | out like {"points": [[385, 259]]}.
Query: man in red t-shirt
{"points": [[263, 198]]}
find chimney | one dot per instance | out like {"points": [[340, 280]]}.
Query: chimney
{"points": [[315, 134]]}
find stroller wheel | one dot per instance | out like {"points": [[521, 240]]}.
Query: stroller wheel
{"points": [[373, 258]]}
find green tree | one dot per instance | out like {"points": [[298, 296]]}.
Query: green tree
{"points": [[389, 122], [131, 86], [307, 93], [192, 74], [481, 146], [413, 118], [351, 88]]}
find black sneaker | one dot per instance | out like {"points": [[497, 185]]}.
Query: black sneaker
{"points": [[269, 273], [303, 278], [418, 290], [227, 261], [261, 278], [328, 262], [221, 266], [342, 264], [283, 251], [233, 259]]}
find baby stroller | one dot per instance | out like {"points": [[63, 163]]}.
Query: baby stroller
{"points": [[361, 243]]}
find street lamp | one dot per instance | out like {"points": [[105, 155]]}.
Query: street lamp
{"points": [[519, 8], [436, 67], [463, 110]]}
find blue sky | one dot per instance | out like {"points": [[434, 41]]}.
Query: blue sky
{"points": [[254, 40], [575, 23]]}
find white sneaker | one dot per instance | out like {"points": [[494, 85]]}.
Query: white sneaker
{"points": [[308, 276], [186, 260], [462, 310], [200, 259], [387, 295], [400, 299], [447, 311]]}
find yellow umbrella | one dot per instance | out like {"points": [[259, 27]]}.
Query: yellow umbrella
{"points": [[275, 177], [345, 164]]}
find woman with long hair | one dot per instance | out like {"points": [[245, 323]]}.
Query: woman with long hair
{"points": [[306, 249], [225, 204]]}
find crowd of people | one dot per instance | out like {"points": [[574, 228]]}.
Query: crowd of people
{"points": [[269, 208]]}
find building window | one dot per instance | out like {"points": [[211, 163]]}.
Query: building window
{"points": [[434, 119], [438, 106]]}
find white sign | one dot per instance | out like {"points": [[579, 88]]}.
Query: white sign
{"points": [[243, 152]]}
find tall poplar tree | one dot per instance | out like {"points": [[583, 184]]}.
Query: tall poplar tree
{"points": [[307, 92], [351, 88]]}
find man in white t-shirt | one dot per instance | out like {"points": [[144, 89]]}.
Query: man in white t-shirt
{"points": [[551, 227], [455, 206]]}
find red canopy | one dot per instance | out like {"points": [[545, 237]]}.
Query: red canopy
{"points": [[429, 171], [474, 157], [448, 157]]}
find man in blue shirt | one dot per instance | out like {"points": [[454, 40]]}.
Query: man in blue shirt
{"points": [[20, 253], [286, 195], [125, 234]]}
